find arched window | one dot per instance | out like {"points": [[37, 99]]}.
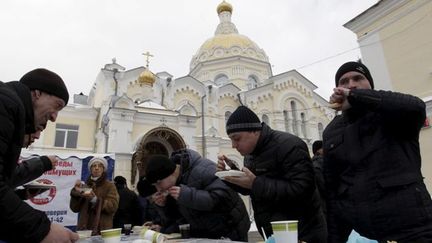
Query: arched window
{"points": [[227, 115], [303, 124], [252, 82], [265, 119], [221, 79], [294, 117], [320, 130]]}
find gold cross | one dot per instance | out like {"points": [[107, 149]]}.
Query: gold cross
{"points": [[147, 54]]}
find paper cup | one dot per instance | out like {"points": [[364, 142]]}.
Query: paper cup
{"points": [[83, 234], [151, 235], [111, 235], [285, 231], [185, 231]]}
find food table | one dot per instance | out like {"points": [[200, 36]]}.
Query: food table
{"points": [[131, 238]]}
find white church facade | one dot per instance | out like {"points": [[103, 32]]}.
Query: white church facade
{"points": [[133, 113]]}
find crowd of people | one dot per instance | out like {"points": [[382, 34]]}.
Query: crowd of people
{"points": [[365, 174]]}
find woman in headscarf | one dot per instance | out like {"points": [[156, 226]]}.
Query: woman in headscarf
{"points": [[96, 207]]}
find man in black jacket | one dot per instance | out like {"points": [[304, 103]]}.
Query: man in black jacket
{"points": [[212, 209], [129, 211], [372, 162], [279, 176], [25, 107]]}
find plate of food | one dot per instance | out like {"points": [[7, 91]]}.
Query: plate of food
{"points": [[38, 185], [222, 174]]}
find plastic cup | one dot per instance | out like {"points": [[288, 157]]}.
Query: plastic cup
{"points": [[285, 231], [151, 235], [83, 234], [111, 235], [127, 229], [185, 231]]}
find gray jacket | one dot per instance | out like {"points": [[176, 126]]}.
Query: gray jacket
{"points": [[212, 209]]}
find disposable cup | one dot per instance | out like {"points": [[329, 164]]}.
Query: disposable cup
{"points": [[127, 229], [185, 231], [111, 235], [285, 231], [83, 234], [151, 235]]}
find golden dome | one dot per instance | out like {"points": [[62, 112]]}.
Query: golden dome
{"points": [[227, 41], [146, 77], [224, 6]]}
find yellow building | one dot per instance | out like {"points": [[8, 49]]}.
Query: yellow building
{"points": [[395, 39], [138, 112]]}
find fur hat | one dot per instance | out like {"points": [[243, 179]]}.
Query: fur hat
{"points": [[46, 81], [101, 160], [356, 67], [159, 167], [243, 119]]}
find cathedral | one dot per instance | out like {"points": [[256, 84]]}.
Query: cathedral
{"points": [[133, 113]]}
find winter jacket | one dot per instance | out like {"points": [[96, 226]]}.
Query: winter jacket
{"points": [[19, 222], [372, 168], [30, 169], [284, 187], [96, 216], [129, 210], [317, 161], [212, 209]]}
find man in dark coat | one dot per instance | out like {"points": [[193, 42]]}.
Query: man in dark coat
{"points": [[372, 163], [26, 107], [129, 210], [279, 176], [212, 209]]}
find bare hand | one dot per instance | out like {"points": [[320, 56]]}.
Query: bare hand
{"points": [[53, 160], [221, 163], [77, 185], [242, 181], [159, 198], [340, 96], [60, 234], [174, 191], [155, 227]]}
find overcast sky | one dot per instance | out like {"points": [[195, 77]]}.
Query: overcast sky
{"points": [[76, 38]]}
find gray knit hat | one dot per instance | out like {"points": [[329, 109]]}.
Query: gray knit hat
{"points": [[243, 119]]}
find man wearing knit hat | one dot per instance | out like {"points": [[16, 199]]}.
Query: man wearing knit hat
{"points": [[189, 186], [279, 176], [372, 162], [25, 107]]}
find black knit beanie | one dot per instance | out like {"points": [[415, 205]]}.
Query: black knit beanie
{"points": [[243, 119], [356, 67], [46, 81], [145, 188], [159, 167], [316, 146]]}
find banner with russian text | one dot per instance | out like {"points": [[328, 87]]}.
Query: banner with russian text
{"points": [[55, 201]]}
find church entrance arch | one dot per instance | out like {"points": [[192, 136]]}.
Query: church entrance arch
{"points": [[160, 140]]}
